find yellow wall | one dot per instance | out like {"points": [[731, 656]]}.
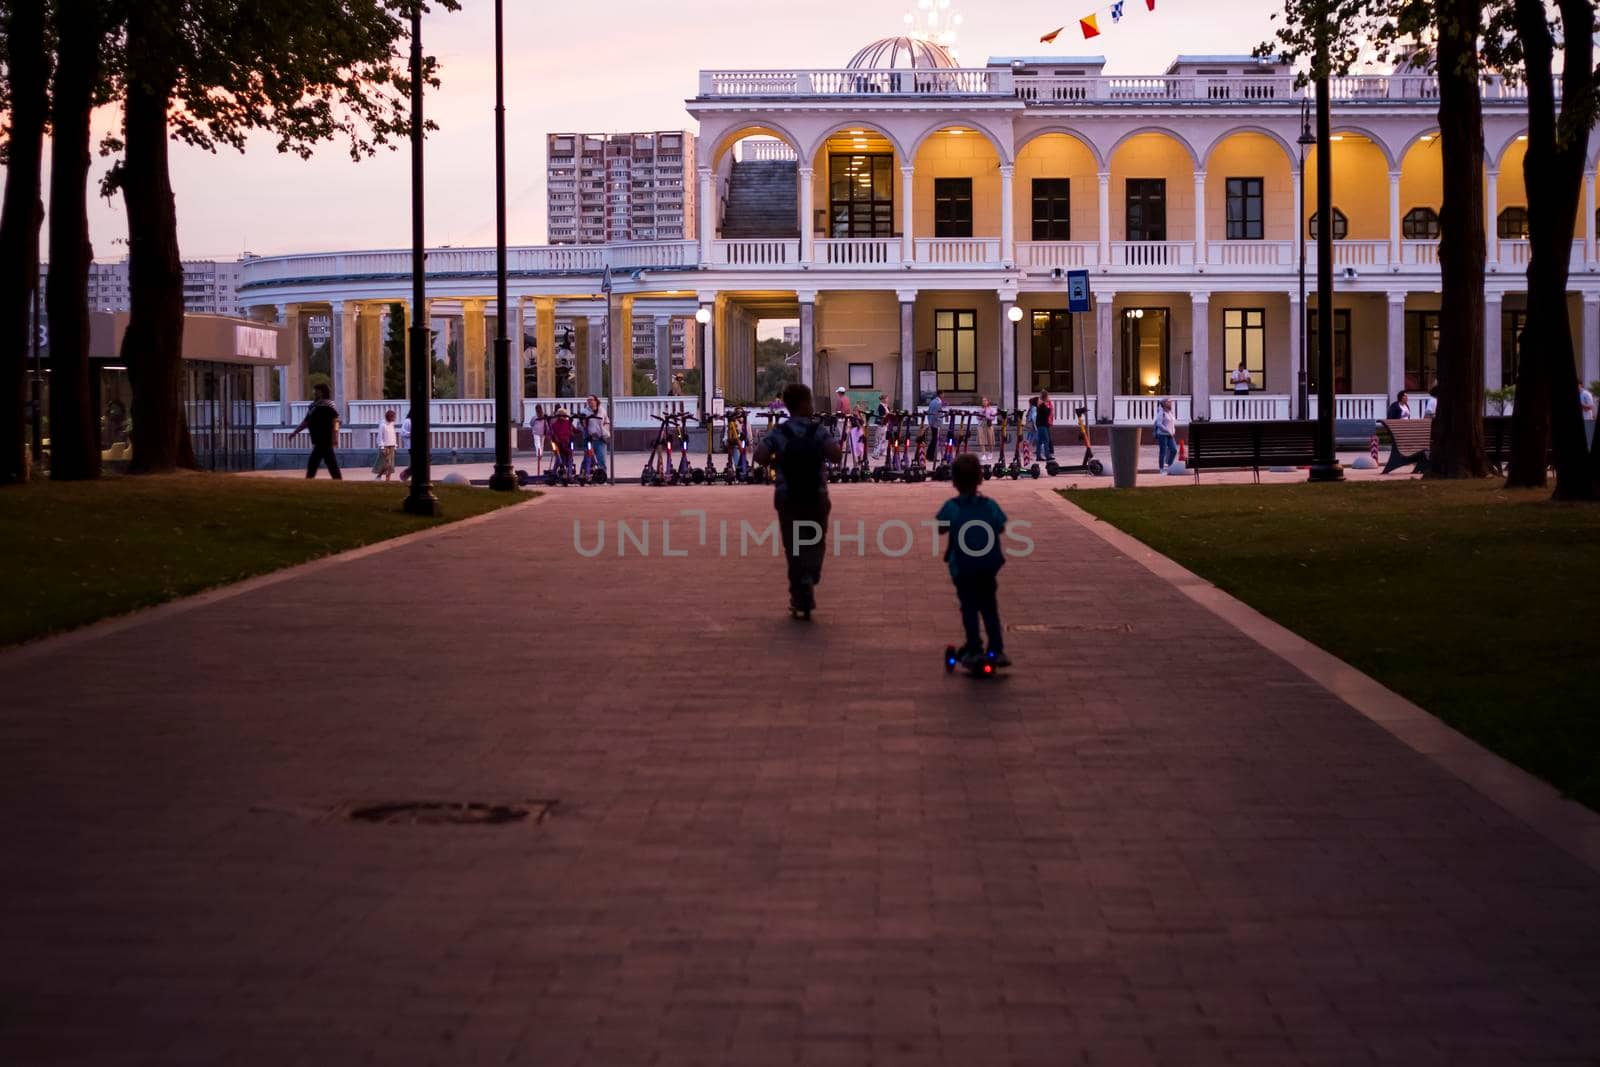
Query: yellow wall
{"points": [[1360, 187], [858, 327], [987, 305], [1056, 155], [1511, 189], [1250, 155], [964, 155], [1152, 155], [1422, 177]]}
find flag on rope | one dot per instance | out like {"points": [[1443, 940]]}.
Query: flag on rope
{"points": [[1116, 11], [1149, 5], [1090, 27], [1050, 38]]}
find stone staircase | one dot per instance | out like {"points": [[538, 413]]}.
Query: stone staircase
{"points": [[762, 200]]}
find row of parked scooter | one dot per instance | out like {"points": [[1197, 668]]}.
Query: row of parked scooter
{"points": [[907, 450]]}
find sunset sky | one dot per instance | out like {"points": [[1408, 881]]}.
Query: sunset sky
{"points": [[602, 67]]}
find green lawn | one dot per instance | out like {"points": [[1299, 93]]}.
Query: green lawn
{"points": [[78, 552], [1476, 603]]}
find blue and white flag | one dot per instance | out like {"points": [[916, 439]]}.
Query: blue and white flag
{"points": [[1116, 11]]}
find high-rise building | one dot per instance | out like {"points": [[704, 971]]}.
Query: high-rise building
{"points": [[210, 287], [620, 187]]}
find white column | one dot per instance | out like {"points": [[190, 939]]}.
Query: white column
{"points": [[471, 380], [1397, 343], [619, 347], [908, 345], [519, 358], [907, 202], [1297, 322], [1105, 226], [1490, 214], [1008, 215], [1394, 218], [1493, 356], [1590, 254], [1201, 254], [289, 317], [708, 352], [341, 349], [663, 354], [708, 212], [1008, 354], [808, 339], [1589, 360], [1104, 368], [1200, 350], [807, 211], [587, 378], [1299, 213]]}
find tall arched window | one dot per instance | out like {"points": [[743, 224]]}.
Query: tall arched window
{"points": [[1341, 225], [1513, 223], [1420, 224]]}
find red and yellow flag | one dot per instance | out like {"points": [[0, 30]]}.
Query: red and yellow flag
{"points": [[1050, 38], [1090, 27]]}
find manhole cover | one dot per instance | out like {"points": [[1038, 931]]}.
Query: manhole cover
{"points": [[441, 813]]}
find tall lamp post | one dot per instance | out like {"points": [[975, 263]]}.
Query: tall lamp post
{"points": [[503, 479], [420, 500], [1015, 315], [702, 319], [1325, 462], [1305, 140]]}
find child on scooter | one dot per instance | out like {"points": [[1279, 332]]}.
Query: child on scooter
{"points": [[974, 523], [561, 438]]}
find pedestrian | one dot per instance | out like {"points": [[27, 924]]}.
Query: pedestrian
{"points": [[841, 401], [561, 434], [1240, 380], [798, 451], [677, 386], [1400, 407], [935, 424], [598, 427], [322, 423], [1031, 427], [537, 426], [1045, 422], [1166, 428], [1586, 402], [388, 443], [974, 524], [986, 417], [880, 424]]}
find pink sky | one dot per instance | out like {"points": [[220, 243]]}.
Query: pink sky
{"points": [[602, 67]]}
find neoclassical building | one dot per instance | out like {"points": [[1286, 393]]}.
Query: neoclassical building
{"points": [[901, 207]]}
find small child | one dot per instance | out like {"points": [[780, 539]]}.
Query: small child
{"points": [[561, 434], [975, 523]]}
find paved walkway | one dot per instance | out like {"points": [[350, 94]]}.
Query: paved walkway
{"points": [[1152, 843]]}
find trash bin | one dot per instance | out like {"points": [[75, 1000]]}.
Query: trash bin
{"points": [[1125, 455]]}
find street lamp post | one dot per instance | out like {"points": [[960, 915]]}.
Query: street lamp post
{"points": [[420, 500], [1015, 315], [1325, 462], [702, 319], [503, 479], [1305, 140]]}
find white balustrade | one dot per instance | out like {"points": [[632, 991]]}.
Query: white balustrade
{"points": [[858, 251], [268, 412], [755, 252], [958, 251], [1517, 252], [766, 151], [1141, 410], [1257, 407], [1353, 254], [1064, 409], [1146, 254], [1419, 253], [1050, 255], [1354, 407], [1252, 253]]}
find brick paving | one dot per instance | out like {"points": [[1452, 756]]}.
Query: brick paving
{"points": [[1152, 843]]}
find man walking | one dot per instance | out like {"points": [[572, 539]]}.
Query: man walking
{"points": [[322, 422], [797, 450]]}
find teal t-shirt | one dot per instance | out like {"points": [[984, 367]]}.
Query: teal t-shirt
{"points": [[972, 549]]}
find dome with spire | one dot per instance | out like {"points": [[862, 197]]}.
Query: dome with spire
{"points": [[902, 53]]}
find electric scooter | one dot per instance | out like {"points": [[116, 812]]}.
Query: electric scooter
{"points": [[661, 449], [1090, 465], [590, 472]]}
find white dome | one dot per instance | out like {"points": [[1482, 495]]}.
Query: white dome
{"points": [[901, 53]]}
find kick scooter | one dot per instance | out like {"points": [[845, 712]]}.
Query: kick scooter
{"points": [[662, 448], [977, 666], [1090, 465]]}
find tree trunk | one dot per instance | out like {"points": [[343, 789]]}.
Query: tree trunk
{"points": [[74, 436], [1457, 446], [1547, 383], [152, 348], [28, 73]]}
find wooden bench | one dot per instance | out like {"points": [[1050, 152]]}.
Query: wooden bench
{"points": [[1497, 441], [1253, 445], [1410, 440]]}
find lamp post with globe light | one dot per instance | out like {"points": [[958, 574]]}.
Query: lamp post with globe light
{"points": [[1015, 315], [702, 319]]}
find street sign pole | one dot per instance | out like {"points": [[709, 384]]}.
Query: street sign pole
{"points": [[1078, 304]]}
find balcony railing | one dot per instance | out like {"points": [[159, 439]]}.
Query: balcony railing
{"points": [[1058, 255], [1152, 254], [1256, 407], [1354, 407], [1052, 90], [1141, 410], [1252, 253], [958, 251], [858, 251], [755, 252]]}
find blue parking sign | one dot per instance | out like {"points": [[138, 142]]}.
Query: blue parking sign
{"points": [[1077, 290]]}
